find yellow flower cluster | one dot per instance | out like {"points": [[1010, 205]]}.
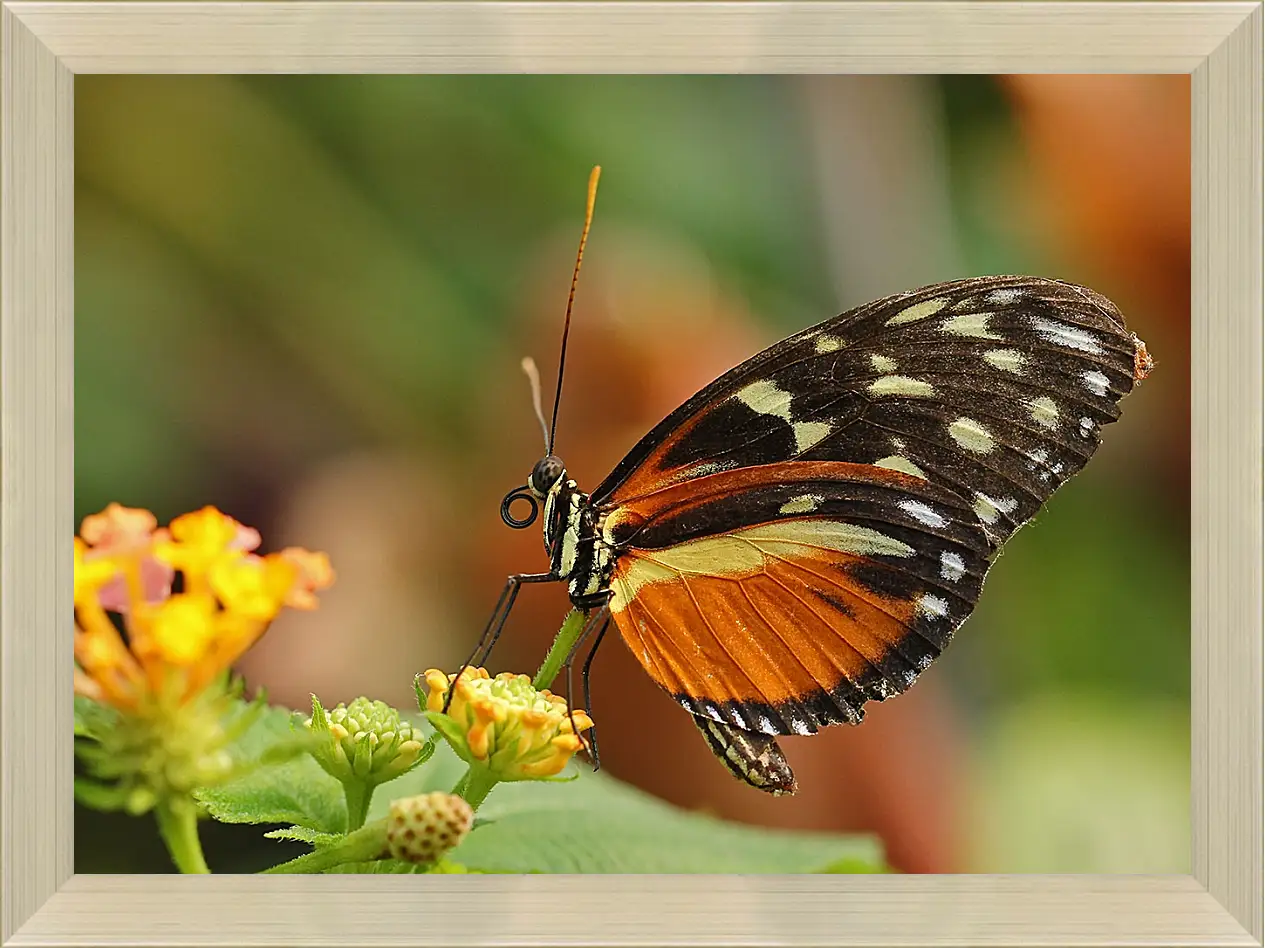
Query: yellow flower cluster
{"points": [[176, 643], [505, 724]]}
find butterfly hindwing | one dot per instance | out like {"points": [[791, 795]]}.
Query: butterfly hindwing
{"points": [[995, 388], [781, 598]]}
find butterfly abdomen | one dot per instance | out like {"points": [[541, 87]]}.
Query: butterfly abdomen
{"points": [[755, 759]]}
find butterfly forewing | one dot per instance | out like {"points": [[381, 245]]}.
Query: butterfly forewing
{"points": [[995, 388], [780, 598]]}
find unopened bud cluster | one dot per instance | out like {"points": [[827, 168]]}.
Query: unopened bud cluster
{"points": [[364, 740], [422, 829]]}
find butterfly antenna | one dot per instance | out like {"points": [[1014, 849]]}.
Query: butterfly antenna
{"points": [[575, 276], [533, 377]]}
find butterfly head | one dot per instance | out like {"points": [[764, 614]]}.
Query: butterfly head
{"points": [[548, 471]]}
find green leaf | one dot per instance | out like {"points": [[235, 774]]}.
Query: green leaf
{"points": [[304, 834], [597, 824], [92, 719], [99, 796], [297, 791]]}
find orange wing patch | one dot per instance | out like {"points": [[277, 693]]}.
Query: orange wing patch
{"points": [[770, 628]]}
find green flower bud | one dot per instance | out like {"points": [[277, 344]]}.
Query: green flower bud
{"points": [[422, 829], [364, 741], [164, 751]]}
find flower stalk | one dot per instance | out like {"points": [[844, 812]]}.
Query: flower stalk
{"points": [[178, 825]]}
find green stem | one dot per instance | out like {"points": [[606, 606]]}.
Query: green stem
{"points": [[563, 642], [459, 788], [475, 786], [365, 844], [358, 794], [178, 826]]}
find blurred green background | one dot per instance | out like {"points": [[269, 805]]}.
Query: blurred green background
{"points": [[304, 300]]}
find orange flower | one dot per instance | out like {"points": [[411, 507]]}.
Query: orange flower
{"points": [[175, 644], [504, 724]]}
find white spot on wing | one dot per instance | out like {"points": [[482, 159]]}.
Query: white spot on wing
{"points": [[790, 537], [804, 503], [808, 433], [703, 468], [882, 363], [918, 311], [952, 567], [827, 343], [800, 726], [923, 513], [971, 435], [990, 509], [1044, 412], [901, 385], [1087, 427], [930, 605], [1096, 382], [1068, 336], [1004, 295], [1007, 360], [895, 462], [766, 398], [974, 325]]}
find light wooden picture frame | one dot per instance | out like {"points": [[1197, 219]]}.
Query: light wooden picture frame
{"points": [[46, 44]]}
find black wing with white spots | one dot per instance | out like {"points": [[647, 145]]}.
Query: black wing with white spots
{"points": [[994, 387]]}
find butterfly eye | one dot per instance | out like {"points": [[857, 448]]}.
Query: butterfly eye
{"points": [[545, 474]]}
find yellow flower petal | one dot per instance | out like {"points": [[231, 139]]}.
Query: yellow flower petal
{"points": [[200, 540], [182, 628], [252, 586], [91, 572]]}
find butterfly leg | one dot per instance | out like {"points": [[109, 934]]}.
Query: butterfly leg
{"points": [[755, 759], [600, 622], [496, 623], [584, 685]]}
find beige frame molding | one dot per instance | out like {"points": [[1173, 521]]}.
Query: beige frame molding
{"points": [[45, 44]]}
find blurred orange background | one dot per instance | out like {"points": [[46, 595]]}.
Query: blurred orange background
{"points": [[305, 299]]}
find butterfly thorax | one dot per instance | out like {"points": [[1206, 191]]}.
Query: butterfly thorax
{"points": [[576, 550]]}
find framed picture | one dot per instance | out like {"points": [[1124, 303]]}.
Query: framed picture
{"points": [[738, 209]]}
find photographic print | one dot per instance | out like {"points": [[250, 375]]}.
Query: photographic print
{"points": [[864, 495]]}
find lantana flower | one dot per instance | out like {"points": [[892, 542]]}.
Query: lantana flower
{"points": [[159, 660], [176, 643], [503, 724]]}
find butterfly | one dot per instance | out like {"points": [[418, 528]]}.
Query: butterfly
{"points": [[806, 534]]}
